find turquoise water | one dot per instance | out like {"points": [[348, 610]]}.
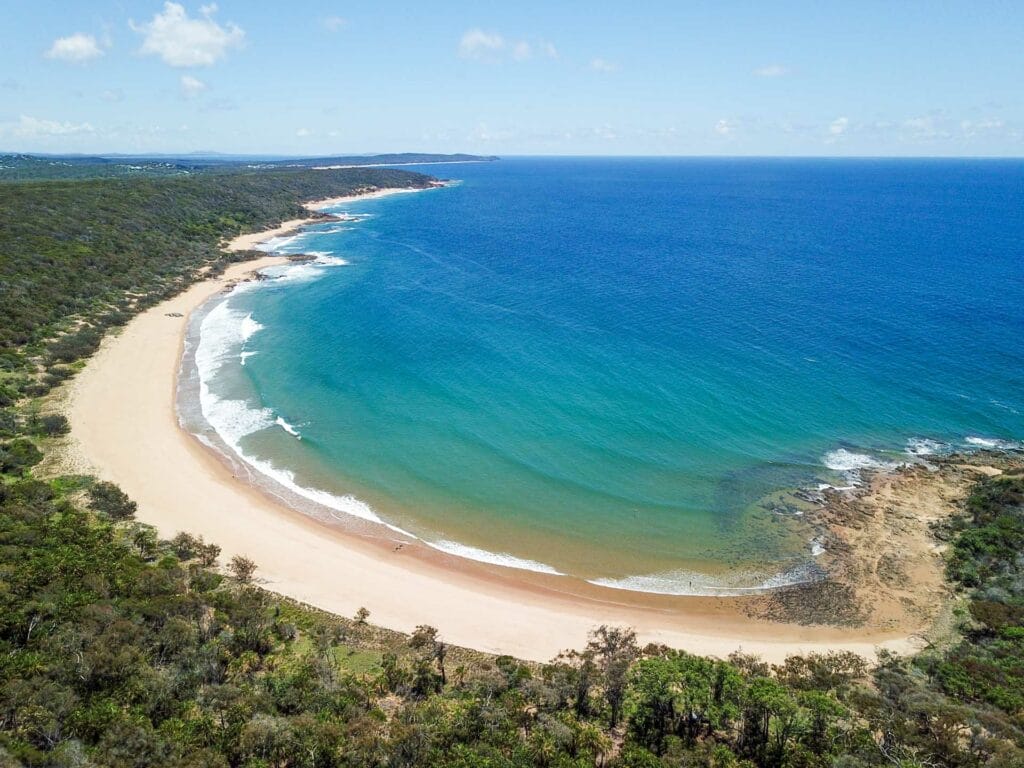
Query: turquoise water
{"points": [[598, 367]]}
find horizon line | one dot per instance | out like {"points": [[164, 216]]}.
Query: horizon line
{"points": [[279, 157]]}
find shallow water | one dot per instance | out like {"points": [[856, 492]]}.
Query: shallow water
{"points": [[598, 367]]}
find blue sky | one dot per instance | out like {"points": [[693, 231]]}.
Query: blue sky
{"points": [[677, 78]]}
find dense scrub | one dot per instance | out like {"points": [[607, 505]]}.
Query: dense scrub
{"points": [[21, 167], [97, 249], [118, 649], [988, 557]]}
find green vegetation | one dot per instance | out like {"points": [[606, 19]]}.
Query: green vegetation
{"points": [[79, 257], [22, 167], [118, 649], [988, 557]]}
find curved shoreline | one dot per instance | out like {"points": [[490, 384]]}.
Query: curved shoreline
{"points": [[125, 426], [197, 410]]}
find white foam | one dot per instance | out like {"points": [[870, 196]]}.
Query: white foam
{"points": [[688, 583], [245, 356], [303, 271], [494, 558], [287, 427], [923, 446], [830, 487], [982, 442], [994, 443], [222, 334], [249, 327], [276, 244], [233, 419], [327, 259], [842, 460], [347, 504]]}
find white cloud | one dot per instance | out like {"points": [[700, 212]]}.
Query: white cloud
{"points": [[927, 128], [838, 126], [522, 51], [771, 70], [482, 133], [334, 23], [974, 127], [603, 65], [112, 94], [725, 127], [303, 132], [191, 86], [182, 41], [31, 127], [477, 44], [77, 48]]}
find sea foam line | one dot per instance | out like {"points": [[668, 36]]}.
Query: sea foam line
{"points": [[503, 559], [690, 584], [994, 443], [224, 331]]}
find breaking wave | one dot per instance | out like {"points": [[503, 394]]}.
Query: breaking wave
{"points": [[689, 583]]}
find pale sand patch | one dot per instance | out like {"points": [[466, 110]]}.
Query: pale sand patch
{"points": [[125, 428], [328, 202], [249, 241]]}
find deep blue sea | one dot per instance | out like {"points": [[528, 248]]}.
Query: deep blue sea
{"points": [[601, 367]]}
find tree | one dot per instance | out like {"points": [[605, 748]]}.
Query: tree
{"points": [[187, 546], [614, 649], [242, 568], [768, 703], [425, 638], [112, 501]]}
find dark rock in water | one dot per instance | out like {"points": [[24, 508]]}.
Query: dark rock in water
{"points": [[300, 258], [811, 497]]}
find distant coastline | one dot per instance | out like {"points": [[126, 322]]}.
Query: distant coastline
{"points": [[391, 165], [251, 240]]}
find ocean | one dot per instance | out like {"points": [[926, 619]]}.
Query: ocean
{"points": [[618, 369]]}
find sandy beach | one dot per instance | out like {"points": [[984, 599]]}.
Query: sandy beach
{"points": [[250, 241], [125, 429]]}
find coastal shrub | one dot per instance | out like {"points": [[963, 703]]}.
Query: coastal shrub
{"points": [[121, 649], [56, 374], [111, 501], [18, 455], [71, 346], [138, 238], [8, 423], [8, 395], [49, 425]]}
